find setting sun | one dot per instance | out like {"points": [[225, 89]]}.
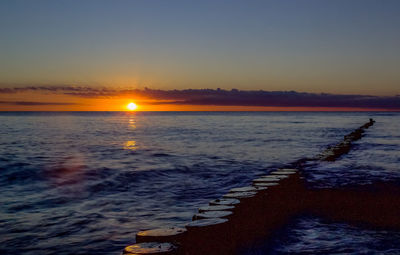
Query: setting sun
{"points": [[132, 106]]}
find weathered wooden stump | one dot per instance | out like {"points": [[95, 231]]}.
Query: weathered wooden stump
{"points": [[216, 208], [173, 235], [212, 214], [209, 236], [225, 201], [152, 248]]}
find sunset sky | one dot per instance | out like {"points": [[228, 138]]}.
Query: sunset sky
{"points": [[163, 55]]}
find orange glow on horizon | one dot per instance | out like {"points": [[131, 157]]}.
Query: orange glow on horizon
{"points": [[56, 102]]}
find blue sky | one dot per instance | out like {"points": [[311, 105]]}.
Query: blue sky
{"points": [[340, 46]]}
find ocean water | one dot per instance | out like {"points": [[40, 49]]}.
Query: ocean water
{"points": [[85, 183]]}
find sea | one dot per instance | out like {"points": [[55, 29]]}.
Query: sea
{"points": [[87, 182]]}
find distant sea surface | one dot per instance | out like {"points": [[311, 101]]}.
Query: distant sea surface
{"points": [[86, 182]]}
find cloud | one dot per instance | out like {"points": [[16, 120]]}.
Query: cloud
{"points": [[220, 97], [27, 103]]}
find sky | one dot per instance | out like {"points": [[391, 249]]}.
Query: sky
{"points": [[339, 47]]}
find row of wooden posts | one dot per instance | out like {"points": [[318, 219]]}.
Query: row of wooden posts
{"points": [[226, 223], [247, 216]]}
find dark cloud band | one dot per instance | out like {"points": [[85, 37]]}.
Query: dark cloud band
{"points": [[27, 103], [220, 97]]}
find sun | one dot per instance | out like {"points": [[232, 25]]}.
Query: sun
{"points": [[132, 106]]}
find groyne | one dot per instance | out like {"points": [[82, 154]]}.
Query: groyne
{"points": [[247, 216], [334, 152]]}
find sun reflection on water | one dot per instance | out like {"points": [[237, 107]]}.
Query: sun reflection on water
{"points": [[132, 123], [130, 145]]}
